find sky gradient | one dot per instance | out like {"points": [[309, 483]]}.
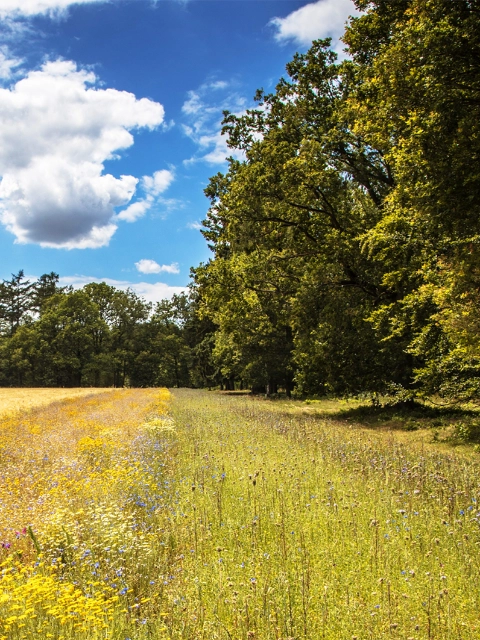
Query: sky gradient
{"points": [[110, 119]]}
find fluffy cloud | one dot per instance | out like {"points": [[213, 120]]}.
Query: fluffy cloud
{"points": [[158, 183], [322, 19], [152, 186], [135, 211], [35, 7], [56, 131], [152, 292], [203, 112], [150, 266]]}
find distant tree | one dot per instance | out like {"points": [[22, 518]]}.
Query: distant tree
{"points": [[44, 288], [16, 301], [69, 335], [162, 354], [124, 313]]}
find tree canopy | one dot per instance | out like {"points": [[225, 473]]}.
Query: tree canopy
{"points": [[345, 244], [97, 336]]}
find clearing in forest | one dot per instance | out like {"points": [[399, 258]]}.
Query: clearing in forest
{"points": [[143, 515]]}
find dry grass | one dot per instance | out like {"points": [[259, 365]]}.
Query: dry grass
{"points": [[15, 400]]}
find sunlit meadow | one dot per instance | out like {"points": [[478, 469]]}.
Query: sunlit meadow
{"points": [[13, 400], [81, 483], [136, 514]]}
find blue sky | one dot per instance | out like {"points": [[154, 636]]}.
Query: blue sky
{"points": [[110, 115]]}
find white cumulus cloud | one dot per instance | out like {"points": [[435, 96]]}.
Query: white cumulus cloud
{"points": [[150, 266], [134, 211], [56, 131], [151, 292], [158, 183], [36, 7], [322, 19]]}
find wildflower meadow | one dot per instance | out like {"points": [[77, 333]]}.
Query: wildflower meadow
{"points": [[137, 514]]}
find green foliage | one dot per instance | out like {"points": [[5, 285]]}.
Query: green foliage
{"points": [[352, 224], [345, 244], [98, 336], [290, 287], [417, 98]]}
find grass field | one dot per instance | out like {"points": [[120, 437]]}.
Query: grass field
{"points": [[139, 515], [14, 400]]}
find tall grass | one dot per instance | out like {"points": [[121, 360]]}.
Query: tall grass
{"points": [[290, 527], [231, 519]]}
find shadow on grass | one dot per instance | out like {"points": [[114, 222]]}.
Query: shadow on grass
{"points": [[244, 392], [462, 424], [405, 411], [454, 424]]}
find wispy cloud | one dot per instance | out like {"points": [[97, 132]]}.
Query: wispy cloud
{"points": [[8, 63], [28, 8], [152, 187], [203, 113]]}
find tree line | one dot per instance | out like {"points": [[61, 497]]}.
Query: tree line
{"points": [[346, 244], [98, 336]]}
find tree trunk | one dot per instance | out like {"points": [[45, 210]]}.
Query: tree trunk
{"points": [[272, 387], [288, 384]]}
